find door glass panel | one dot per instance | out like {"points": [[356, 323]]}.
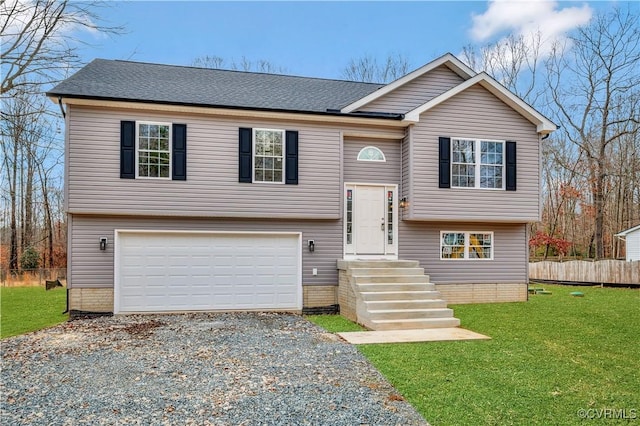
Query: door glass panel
{"points": [[389, 217], [349, 216]]}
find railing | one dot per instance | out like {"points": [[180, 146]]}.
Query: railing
{"points": [[31, 277], [598, 272]]}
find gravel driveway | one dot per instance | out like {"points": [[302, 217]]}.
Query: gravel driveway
{"points": [[200, 369]]}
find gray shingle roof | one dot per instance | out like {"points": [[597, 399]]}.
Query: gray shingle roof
{"points": [[136, 81]]}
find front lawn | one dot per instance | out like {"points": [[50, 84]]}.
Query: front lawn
{"points": [[24, 309], [556, 359]]}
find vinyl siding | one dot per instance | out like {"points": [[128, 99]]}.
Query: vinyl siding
{"points": [[633, 245], [370, 171], [406, 171], [416, 92], [92, 268], [474, 113], [212, 188], [421, 241]]}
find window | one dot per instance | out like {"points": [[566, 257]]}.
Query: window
{"points": [[466, 245], [477, 164], [371, 153], [153, 150], [267, 155], [268, 159]]}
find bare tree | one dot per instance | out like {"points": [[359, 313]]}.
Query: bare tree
{"points": [[243, 64], [593, 83], [513, 61], [31, 158], [36, 38], [367, 68]]}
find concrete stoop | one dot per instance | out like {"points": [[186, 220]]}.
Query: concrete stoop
{"points": [[392, 295]]}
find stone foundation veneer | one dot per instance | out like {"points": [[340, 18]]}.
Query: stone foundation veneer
{"points": [[482, 293], [98, 300], [319, 295], [346, 297]]}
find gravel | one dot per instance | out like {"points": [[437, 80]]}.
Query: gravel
{"points": [[193, 369]]}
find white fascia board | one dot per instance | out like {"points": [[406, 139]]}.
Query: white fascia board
{"points": [[544, 125], [448, 59], [627, 231]]}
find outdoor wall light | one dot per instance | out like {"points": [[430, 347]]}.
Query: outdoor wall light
{"points": [[312, 245], [404, 203], [103, 243]]}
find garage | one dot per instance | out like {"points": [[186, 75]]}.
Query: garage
{"points": [[174, 271]]}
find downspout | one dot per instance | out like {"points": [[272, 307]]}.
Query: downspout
{"points": [[64, 116]]}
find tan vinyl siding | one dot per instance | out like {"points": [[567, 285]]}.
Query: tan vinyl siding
{"points": [[421, 241], [474, 113], [212, 187], [416, 92], [92, 268], [406, 172], [371, 171]]}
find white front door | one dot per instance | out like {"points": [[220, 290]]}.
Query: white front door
{"points": [[369, 220]]}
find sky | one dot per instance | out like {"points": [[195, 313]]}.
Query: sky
{"points": [[319, 39]]}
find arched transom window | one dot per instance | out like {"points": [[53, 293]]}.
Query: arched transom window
{"points": [[371, 153]]}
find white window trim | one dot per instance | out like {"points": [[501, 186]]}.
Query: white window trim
{"points": [[477, 145], [253, 156], [466, 245], [137, 142], [384, 158]]}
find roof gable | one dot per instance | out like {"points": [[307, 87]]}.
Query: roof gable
{"points": [[448, 60], [416, 92], [543, 124]]}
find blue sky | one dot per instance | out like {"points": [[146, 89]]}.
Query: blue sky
{"points": [[319, 38]]}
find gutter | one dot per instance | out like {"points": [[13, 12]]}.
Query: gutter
{"points": [[328, 112]]}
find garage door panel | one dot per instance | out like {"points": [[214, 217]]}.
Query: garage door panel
{"points": [[161, 272]]}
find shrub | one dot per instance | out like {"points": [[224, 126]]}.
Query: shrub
{"points": [[30, 259]]}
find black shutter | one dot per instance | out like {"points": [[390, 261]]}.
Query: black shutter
{"points": [[179, 166], [127, 149], [244, 160], [291, 165], [510, 166], [445, 162]]}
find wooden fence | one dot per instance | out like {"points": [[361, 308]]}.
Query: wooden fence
{"points": [[602, 271]]}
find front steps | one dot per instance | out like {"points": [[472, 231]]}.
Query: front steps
{"points": [[391, 295]]}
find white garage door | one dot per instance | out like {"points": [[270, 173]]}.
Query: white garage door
{"points": [[175, 271]]}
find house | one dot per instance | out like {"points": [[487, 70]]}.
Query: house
{"points": [[200, 189], [631, 237]]}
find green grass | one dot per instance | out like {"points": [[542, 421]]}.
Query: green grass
{"points": [[25, 309], [548, 359], [334, 323]]}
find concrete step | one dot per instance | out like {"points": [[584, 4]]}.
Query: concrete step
{"points": [[410, 324], [430, 293], [385, 287], [400, 314], [385, 271], [377, 305], [391, 279], [344, 264]]}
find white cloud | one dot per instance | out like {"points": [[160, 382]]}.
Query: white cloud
{"points": [[528, 17]]}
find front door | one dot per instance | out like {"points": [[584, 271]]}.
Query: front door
{"points": [[369, 220]]}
